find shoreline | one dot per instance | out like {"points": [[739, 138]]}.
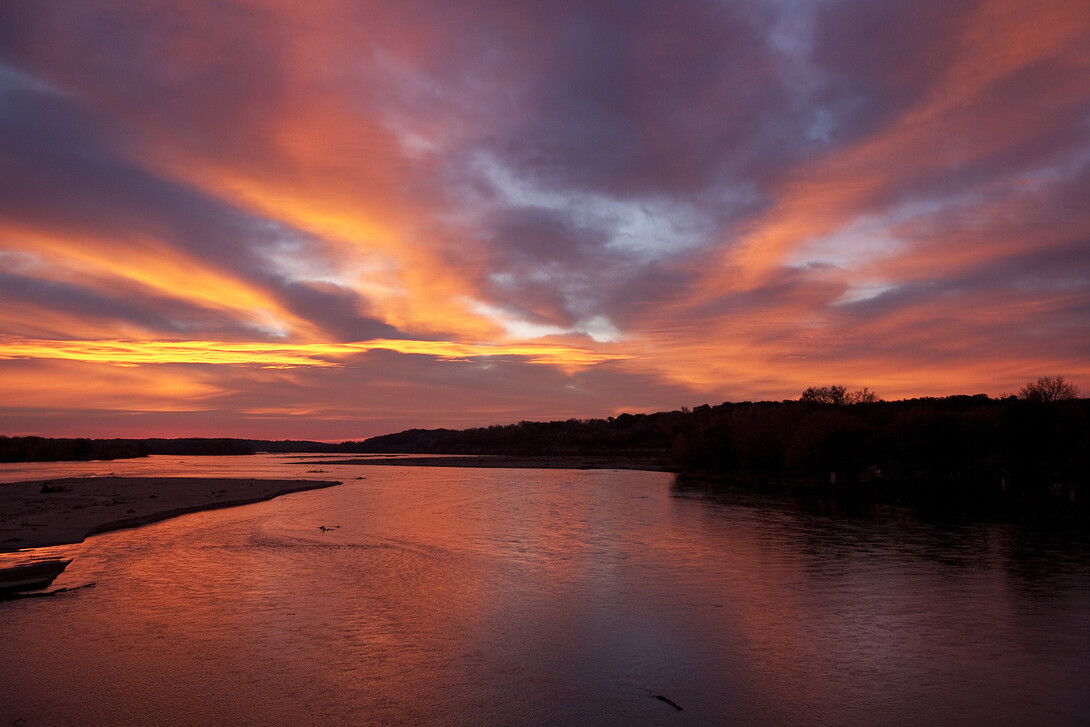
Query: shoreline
{"points": [[40, 513], [508, 461]]}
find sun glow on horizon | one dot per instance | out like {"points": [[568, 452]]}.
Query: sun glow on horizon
{"points": [[276, 355]]}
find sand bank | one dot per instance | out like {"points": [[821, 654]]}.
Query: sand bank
{"points": [[545, 462], [56, 512]]}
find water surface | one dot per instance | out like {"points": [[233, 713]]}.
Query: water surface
{"points": [[542, 597]]}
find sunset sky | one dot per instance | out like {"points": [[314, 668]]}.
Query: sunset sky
{"points": [[342, 218]]}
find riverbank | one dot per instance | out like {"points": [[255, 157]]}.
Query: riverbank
{"points": [[545, 462], [39, 513]]}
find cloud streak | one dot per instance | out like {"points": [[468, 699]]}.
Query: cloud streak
{"points": [[133, 353]]}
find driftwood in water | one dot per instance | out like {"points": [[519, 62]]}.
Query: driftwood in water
{"points": [[669, 701]]}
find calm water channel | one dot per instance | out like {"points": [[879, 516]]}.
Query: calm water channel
{"points": [[533, 597]]}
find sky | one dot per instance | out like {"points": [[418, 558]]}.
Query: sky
{"points": [[343, 218]]}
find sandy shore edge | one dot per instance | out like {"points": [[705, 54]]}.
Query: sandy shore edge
{"points": [[40, 513], [506, 461]]}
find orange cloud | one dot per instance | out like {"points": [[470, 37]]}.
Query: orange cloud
{"points": [[320, 161], [49, 384], [140, 266], [135, 353]]}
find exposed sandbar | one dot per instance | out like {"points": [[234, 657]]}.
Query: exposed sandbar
{"points": [[60, 511], [548, 462]]}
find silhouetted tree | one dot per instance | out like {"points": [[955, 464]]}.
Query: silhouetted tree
{"points": [[862, 396], [824, 394], [1049, 388], [838, 395]]}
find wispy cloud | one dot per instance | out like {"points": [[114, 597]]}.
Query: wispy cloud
{"points": [[135, 353]]}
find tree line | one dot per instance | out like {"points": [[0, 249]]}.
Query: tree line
{"points": [[48, 449], [1035, 445], [972, 447], [937, 438]]}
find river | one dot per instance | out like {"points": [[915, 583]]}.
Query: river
{"points": [[442, 596]]}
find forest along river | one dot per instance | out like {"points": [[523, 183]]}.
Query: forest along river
{"points": [[546, 597]]}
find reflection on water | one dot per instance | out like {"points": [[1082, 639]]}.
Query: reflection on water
{"points": [[32, 569], [522, 597], [29, 556]]}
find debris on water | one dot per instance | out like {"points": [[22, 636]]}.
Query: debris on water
{"points": [[669, 701]]}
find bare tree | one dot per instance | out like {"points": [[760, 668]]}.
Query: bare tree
{"points": [[838, 395], [824, 394], [1049, 388], [863, 396]]}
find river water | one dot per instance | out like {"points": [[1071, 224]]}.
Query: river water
{"points": [[444, 596]]}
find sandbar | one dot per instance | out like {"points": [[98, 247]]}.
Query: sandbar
{"points": [[38, 513], [487, 461]]}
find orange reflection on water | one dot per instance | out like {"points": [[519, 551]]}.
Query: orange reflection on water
{"points": [[470, 597]]}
